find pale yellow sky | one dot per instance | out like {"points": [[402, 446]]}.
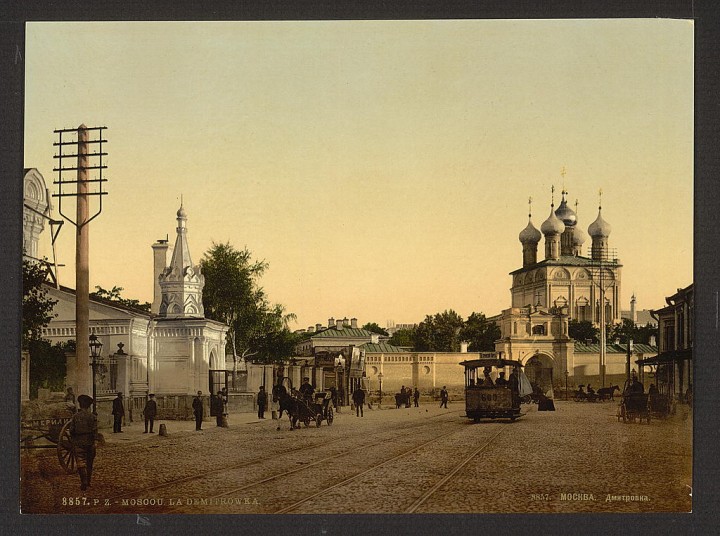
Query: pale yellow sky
{"points": [[382, 168]]}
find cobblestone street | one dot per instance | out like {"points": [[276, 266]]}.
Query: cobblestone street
{"points": [[576, 459]]}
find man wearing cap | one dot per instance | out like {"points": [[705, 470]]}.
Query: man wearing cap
{"points": [[262, 402], [118, 412], [307, 390], [197, 406], [501, 381], [443, 397], [149, 412], [83, 432]]}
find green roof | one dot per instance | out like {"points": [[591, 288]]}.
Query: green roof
{"points": [[582, 348], [345, 333], [382, 348], [568, 260]]}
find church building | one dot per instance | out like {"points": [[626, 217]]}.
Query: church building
{"points": [[546, 294]]}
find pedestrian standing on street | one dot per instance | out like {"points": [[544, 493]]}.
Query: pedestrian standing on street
{"points": [[225, 400], [443, 397], [83, 433], [334, 397], [416, 397], [149, 412], [70, 400], [198, 411], [261, 402], [359, 400], [218, 406], [118, 412]]}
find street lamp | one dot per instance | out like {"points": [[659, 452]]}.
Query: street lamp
{"points": [[380, 377], [95, 347]]}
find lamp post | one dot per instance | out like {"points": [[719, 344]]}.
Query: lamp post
{"points": [[95, 347], [566, 384], [380, 377]]}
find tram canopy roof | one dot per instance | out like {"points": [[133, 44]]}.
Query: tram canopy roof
{"points": [[490, 362], [666, 357]]}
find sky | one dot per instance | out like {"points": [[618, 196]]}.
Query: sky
{"points": [[381, 168]]}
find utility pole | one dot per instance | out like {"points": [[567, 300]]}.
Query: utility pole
{"points": [[80, 189]]}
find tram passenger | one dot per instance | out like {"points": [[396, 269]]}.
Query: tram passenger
{"points": [[514, 385], [487, 380], [501, 381]]}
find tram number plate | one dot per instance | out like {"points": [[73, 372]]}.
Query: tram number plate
{"points": [[489, 397]]}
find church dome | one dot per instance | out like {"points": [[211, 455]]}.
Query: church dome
{"points": [[599, 228], [565, 213], [530, 234], [579, 237], [181, 212], [553, 225]]}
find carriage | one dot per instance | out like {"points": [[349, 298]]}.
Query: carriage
{"points": [[317, 411], [51, 433], [485, 401], [660, 405], [634, 405]]}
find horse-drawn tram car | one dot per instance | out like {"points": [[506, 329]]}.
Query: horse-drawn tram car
{"points": [[489, 393]]}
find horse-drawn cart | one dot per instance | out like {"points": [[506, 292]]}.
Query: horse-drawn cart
{"points": [[50, 433], [317, 411], [634, 405]]}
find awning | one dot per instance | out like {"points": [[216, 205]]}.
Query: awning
{"points": [[666, 357]]}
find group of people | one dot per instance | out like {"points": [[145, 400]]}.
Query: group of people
{"points": [[405, 395]]}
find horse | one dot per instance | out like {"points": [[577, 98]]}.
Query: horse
{"points": [[607, 393], [290, 404]]}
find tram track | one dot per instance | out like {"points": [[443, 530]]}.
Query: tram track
{"points": [[264, 458], [425, 496]]}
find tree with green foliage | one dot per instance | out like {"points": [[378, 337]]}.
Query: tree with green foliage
{"points": [[403, 337], [583, 331], [439, 333], [36, 306], [373, 327], [113, 296], [480, 333], [48, 365], [232, 295]]}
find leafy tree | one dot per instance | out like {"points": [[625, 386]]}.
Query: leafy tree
{"points": [[643, 334], [372, 326], [480, 333], [403, 337], [583, 331], [233, 296], [113, 295], [48, 365], [621, 332], [439, 333], [37, 307]]}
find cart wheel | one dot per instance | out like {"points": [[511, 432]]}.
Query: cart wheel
{"points": [[318, 420], [330, 416], [66, 450]]}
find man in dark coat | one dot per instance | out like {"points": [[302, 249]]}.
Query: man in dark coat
{"points": [[443, 397], [217, 408], [118, 411], [149, 412], [416, 397], [501, 381], [358, 397], [307, 390], [262, 400], [83, 433], [197, 406]]}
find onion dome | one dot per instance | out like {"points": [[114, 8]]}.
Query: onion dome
{"points": [[599, 228], [579, 237], [530, 235], [181, 212], [553, 225], [565, 213]]}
